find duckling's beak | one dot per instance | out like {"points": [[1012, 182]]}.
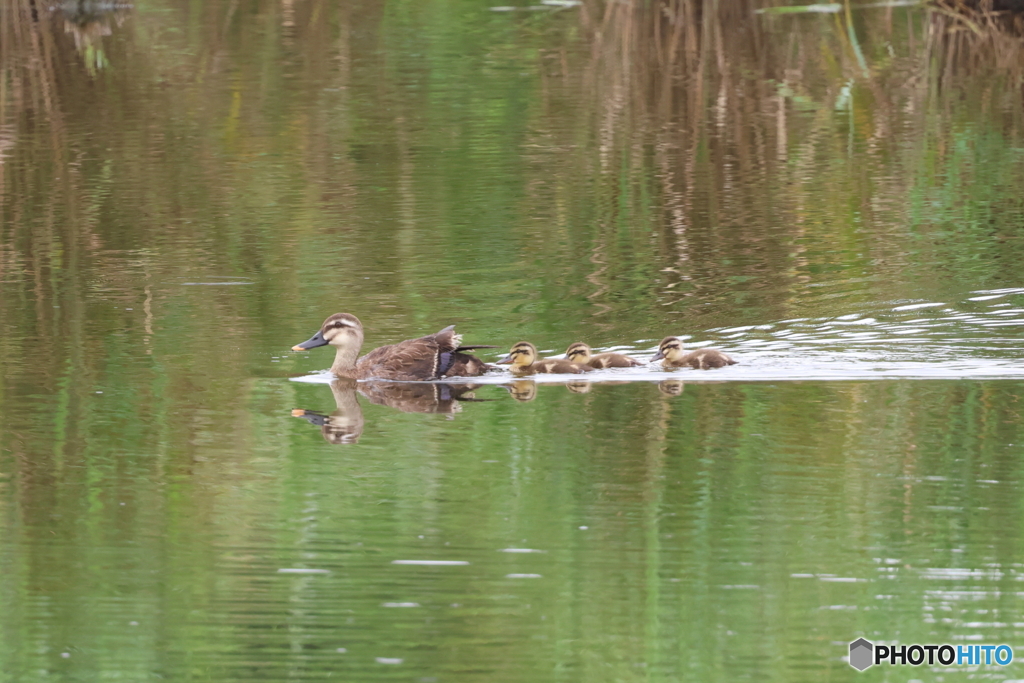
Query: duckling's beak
{"points": [[504, 361], [658, 356], [311, 343]]}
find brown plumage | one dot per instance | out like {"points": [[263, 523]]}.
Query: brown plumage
{"points": [[580, 353], [523, 361], [672, 355], [427, 358]]}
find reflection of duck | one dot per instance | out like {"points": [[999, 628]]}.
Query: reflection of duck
{"points": [[671, 350], [419, 397], [580, 353], [523, 360], [671, 387], [345, 424], [431, 357]]}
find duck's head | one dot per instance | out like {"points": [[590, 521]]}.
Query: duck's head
{"points": [[521, 355], [670, 348], [341, 330], [578, 352]]}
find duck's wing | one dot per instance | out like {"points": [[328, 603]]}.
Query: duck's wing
{"points": [[420, 359]]}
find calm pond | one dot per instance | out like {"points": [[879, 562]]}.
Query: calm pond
{"points": [[187, 189]]}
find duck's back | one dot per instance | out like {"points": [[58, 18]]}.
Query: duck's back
{"points": [[703, 359], [612, 360], [410, 360], [430, 357], [559, 366]]}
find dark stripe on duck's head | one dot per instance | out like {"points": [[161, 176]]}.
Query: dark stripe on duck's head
{"points": [[522, 353], [667, 344], [576, 350], [335, 324], [340, 320]]}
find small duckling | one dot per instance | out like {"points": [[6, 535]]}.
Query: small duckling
{"points": [[524, 361], [580, 353], [671, 350]]}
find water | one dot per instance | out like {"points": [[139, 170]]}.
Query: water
{"points": [[187, 190]]}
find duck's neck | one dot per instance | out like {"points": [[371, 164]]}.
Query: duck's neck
{"points": [[345, 361]]}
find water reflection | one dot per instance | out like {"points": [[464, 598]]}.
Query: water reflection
{"points": [[88, 22], [345, 424]]}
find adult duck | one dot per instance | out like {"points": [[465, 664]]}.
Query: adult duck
{"points": [[427, 358]]}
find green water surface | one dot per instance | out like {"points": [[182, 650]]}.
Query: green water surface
{"points": [[187, 189]]}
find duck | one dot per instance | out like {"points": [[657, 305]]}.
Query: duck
{"points": [[523, 360], [580, 353], [671, 355], [413, 360]]}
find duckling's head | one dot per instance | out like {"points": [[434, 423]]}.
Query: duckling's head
{"points": [[578, 352], [670, 348], [341, 330], [521, 355]]}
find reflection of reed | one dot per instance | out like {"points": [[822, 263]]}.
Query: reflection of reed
{"points": [[751, 127], [964, 39]]}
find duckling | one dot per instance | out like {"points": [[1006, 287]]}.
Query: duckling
{"points": [[524, 361], [671, 350], [427, 358], [580, 353]]}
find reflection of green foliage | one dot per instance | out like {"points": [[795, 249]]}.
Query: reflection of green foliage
{"points": [[422, 163], [95, 59]]}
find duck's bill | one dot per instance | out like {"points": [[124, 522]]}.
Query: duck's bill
{"points": [[658, 356], [311, 343], [504, 361]]}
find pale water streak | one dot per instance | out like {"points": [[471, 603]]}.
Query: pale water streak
{"points": [[927, 340]]}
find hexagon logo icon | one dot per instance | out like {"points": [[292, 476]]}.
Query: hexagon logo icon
{"points": [[860, 654]]}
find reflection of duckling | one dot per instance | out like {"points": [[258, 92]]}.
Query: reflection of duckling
{"points": [[579, 386], [431, 357], [671, 387], [580, 353], [522, 390], [524, 361], [671, 350]]}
